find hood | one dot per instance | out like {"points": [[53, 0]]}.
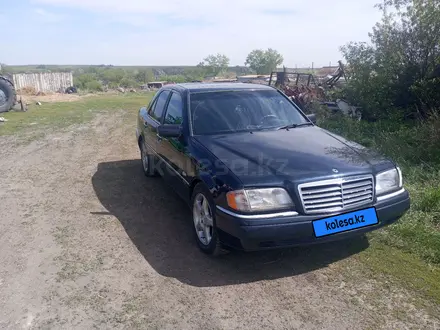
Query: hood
{"points": [[296, 155]]}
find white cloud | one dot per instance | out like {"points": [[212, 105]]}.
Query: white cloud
{"points": [[310, 31], [47, 16]]}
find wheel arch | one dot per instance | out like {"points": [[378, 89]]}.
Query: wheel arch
{"points": [[192, 186], [201, 178]]}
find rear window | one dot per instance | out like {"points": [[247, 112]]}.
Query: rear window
{"points": [[237, 111]]}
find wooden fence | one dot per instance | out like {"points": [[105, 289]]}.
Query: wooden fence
{"points": [[43, 82]]}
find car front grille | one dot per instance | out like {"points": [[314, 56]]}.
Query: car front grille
{"points": [[336, 194]]}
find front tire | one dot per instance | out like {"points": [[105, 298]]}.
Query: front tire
{"points": [[203, 209]]}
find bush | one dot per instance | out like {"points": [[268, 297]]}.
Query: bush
{"points": [[82, 80], [412, 143], [93, 86], [174, 78], [394, 74], [144, 76], [127, 83]]}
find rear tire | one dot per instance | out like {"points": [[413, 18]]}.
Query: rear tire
{"points": [[204, 223], [147, 161], [7, 95]]}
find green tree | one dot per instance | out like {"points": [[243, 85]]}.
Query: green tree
{"points": [[128, 82], [197, 73], [177, 78], [391, 74], [264, 61], [93, 86], [82, 80], [87, 81], [144, 76], [112, 75], [4, 69], [215, 64]]}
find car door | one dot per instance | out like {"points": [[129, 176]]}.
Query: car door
{"points": [[152, 120], [174, 151]]}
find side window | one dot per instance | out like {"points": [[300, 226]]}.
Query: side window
{"points": [[159, 107], [174, 113]]}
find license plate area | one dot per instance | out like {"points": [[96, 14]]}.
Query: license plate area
{"points": [[345, 222]]}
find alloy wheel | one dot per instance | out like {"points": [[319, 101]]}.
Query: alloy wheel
{"points": [[203, 222]]}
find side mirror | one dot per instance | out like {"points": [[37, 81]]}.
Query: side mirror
{"points": [[312, 118], [169, 130]]}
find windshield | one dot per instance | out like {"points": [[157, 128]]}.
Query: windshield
{"points": [[238, 111]]}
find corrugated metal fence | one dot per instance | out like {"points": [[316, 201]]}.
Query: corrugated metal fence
{"points": [[43, 82]]}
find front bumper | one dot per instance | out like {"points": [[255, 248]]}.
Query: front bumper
{"points": [[293, 230]]}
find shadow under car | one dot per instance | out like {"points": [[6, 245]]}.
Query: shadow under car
{"points": [[158, 222]]}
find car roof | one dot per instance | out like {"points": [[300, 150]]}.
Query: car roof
{"points": [[211, 87]]}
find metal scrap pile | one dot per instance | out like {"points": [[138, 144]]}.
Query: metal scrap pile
{"points": [[305, 89], [303, 95]]}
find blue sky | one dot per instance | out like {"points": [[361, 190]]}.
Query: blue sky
{"points": [[176, 32]]}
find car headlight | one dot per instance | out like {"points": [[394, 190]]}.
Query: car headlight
{"points": [[388, 181], [265, 199]]}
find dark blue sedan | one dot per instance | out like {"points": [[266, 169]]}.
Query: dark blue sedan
{"points": [[258, 173]]}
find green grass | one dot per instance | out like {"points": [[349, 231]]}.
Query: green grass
{"points": [[50, 116], [401, 268], [407, 252], [416, 149]]}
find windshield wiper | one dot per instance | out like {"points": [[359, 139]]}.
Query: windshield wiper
{"points": [[294, 125]]}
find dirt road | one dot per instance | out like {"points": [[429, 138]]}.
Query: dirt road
{"points": [[87, 241]]}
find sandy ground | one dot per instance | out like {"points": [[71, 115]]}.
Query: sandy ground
{"points": [[87, 241], [50, 98], [56, 97]]}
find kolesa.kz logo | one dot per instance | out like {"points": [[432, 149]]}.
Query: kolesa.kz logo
{"points": [[344, 223]]}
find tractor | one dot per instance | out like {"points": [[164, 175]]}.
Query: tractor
{"points": [[8, 96]]}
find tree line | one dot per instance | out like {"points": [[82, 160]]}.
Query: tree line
{"points": [[96, 77], [395, 74]]}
